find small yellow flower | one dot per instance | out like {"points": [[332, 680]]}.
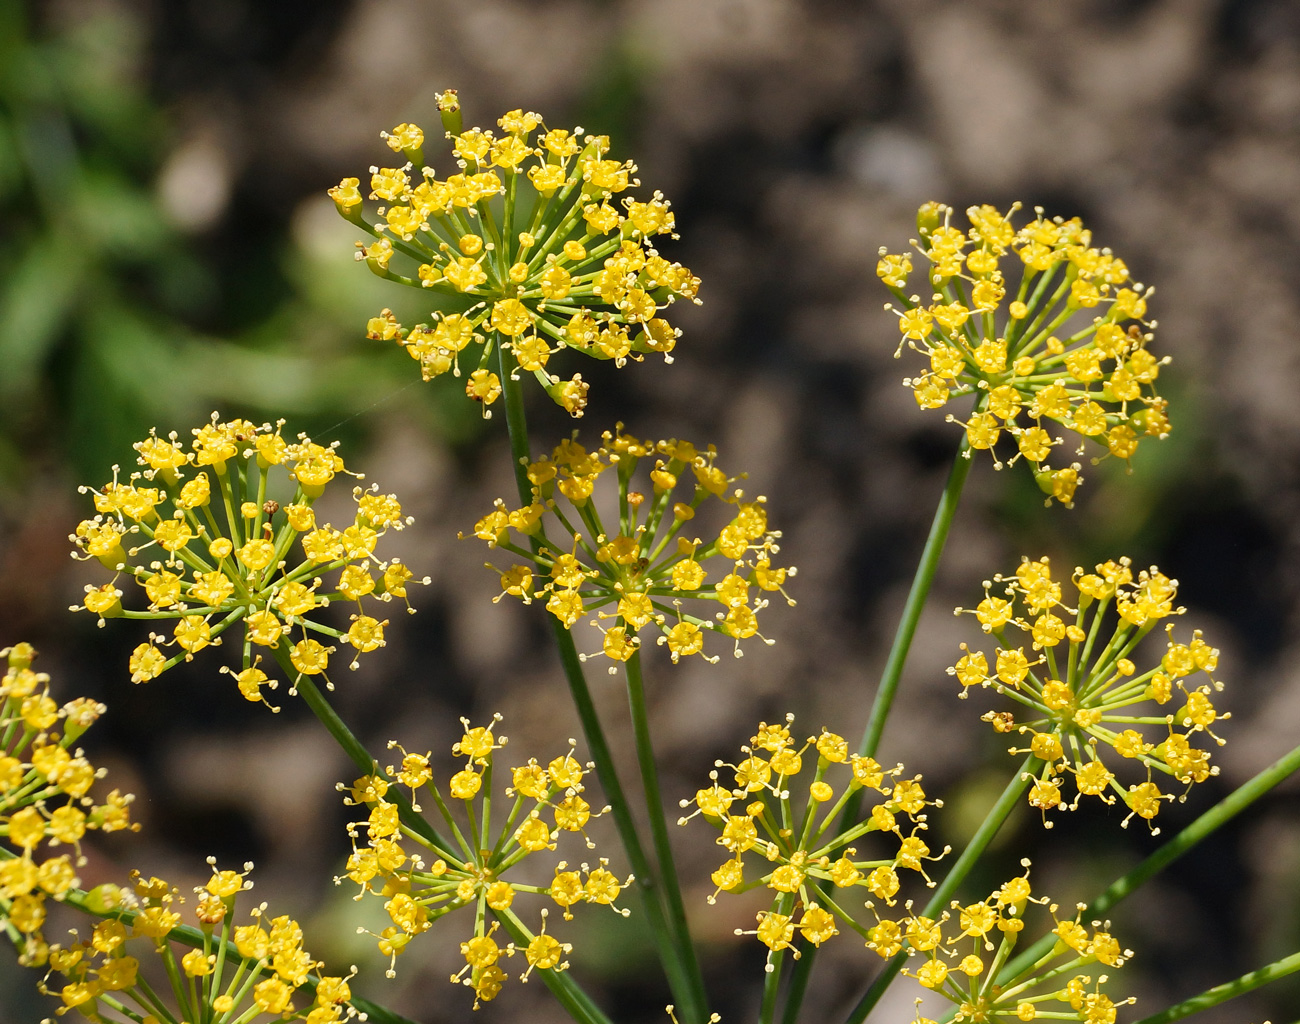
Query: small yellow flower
{"points": [[791, 848], [421, 882], [959, 950], [210, 570], [1065, 347], [1078, 693], [652, 569], [45, 811], [583, 273], [273, 975]]}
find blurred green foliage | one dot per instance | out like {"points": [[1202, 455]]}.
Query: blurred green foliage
{"points": [[100, 292]]}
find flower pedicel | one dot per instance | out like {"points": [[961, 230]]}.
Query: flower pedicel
{"points": [[202, 536], [530, 247]]}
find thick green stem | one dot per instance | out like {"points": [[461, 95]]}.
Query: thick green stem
{"points": [[675, 909], [1216, 817], [993, 821], [889, 680], [1228, 990], [680, 967]]}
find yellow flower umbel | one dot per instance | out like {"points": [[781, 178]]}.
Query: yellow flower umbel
{"points": [[1077, 685], [1064, 347], [965, 950], [45, 803], [203, 534], [268, 979], [531, 246], [421, 881], [649, 567], [797, 848]]}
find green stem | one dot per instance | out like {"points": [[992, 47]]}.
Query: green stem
{"points": [[1217, 816], [1228, 990], [921, 582], [354, 748], [682, 983], [683, 947], [776, 959], [889, 680], [678, 980], [568, 993], [799, 978], [993, 821]]}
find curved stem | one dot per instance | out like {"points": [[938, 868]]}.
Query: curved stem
{"points": [[685, 983], [672, 893], [993, 821], [1228, 990]]}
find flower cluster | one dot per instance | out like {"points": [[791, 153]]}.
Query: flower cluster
{"points": [[1054, 348], [212, 540], [956, 947], [1077, 685], [242, 972], [648, 560], [527, 248], [45, 801], [420, 886], [800, 849]]}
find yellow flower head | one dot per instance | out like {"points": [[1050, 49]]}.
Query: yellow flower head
{"points": [[1079, 691], [962, 951], [269, 976], [534, 245], [651, 569], [45, 807], [779, 818], [1046, 330], [226, 533], [421, 880]]}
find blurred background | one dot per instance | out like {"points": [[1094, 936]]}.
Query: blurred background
{"points": [[166, 249]]}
